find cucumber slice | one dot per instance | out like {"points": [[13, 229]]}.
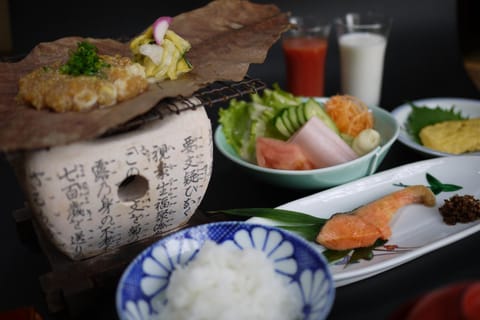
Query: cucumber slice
{"points": [[301, 115], [313, 108], [280, 125], [285, 115], [292, 116]]}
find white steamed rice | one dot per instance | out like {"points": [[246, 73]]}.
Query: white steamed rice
{"points": [[224, 283]]}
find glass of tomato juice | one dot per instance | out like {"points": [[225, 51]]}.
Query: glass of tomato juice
{"points": [[305, 50]]}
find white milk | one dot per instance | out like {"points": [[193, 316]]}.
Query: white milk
{"points": [[362, 55]]}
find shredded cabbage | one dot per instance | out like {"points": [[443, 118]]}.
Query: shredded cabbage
{"points": [[163, 62]]}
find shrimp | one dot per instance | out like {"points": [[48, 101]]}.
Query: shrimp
{"points": [[363, 226]]}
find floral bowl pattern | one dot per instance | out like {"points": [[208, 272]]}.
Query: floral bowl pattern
{"points": [[142, 287]]}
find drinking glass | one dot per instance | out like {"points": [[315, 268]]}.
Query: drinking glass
{"points": [[362, 41], [305, 49]]}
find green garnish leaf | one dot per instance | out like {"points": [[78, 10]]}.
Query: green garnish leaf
{"points": [[278, 215], [437, 186], [432, 180], [334, 255], [450, 187], [84, 61], [365, 253], [305, 225], [361, 253], [422, 116]]}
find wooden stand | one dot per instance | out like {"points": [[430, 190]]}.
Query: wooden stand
{"points": [[73, 287]]}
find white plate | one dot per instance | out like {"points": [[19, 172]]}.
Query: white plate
{"points": [[468, 107], [416, 229]]}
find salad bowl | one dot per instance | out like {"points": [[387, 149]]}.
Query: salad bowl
{"points": [[326, 177]]}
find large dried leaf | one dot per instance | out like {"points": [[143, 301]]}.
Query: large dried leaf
{"points": [[226, 37]]}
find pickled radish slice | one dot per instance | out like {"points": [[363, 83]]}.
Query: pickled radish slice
{"points": [[160, 27]]}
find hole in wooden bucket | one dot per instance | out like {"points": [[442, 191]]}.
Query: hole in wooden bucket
{"points": [[132, 188]]}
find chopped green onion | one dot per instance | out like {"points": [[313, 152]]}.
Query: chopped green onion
{"points": [[84, 61]]}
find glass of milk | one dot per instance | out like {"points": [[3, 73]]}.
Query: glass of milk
{"points": [[362, 40]]}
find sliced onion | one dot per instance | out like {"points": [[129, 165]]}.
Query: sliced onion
{"points": [[154, 52]]}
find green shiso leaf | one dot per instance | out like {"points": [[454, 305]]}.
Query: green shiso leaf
{"points": [[422, 116]]}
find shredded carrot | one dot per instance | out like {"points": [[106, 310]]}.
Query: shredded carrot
{"points": [[349, 114]]}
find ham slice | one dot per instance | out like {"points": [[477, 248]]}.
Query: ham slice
{"points": [[321, 145]]}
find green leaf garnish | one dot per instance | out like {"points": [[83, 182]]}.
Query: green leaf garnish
{"points": [[84, 61], [305, 225], [279, 215], [435, 185], [422, 116], [334, 255], [365, 253]]}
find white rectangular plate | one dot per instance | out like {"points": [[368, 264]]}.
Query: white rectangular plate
{"points": [[416, 229]]}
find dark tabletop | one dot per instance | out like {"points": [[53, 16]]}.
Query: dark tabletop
{"points": [[423, 60]]}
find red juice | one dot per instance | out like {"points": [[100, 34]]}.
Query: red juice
{"points": [[305, 64]]}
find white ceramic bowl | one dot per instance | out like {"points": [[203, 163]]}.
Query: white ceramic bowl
{"points": [[322, 178], [142, 287]]}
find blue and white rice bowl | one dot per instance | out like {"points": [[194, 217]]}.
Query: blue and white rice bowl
{"points": [[141, 293]]}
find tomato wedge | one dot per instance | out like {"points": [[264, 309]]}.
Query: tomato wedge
{"points": [[278, 154]]}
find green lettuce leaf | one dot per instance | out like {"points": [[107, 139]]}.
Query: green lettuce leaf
{"points": [[244, 121], [236, 124]]}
